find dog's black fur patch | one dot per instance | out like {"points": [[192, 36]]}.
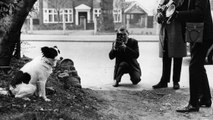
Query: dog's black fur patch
{"points": [[20, 77], [49, 52]]}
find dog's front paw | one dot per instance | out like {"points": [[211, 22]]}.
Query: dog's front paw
{"points": [[26, 98], [47, 100]]}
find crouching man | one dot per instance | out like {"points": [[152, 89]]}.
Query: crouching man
{"points": [[125, 50]]}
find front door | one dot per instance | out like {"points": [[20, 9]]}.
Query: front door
{"points": [[82, 19]]}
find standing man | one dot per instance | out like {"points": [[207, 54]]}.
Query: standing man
{"points": [[172, 46], [126, 51], [198, 11]]}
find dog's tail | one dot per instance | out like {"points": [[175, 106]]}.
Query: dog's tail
{"points": [[19, 78]]}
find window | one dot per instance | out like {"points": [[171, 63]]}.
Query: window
{"points": [[55, 16], [66, 18], [117, 15], [50, 18], [132, 16], [96, 12], [70, 17]]}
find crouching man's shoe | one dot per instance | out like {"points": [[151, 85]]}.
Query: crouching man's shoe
{"points": [[116, 83], [188, 108], [176, 86], [160, 85]]}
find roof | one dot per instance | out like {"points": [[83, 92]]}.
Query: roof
{"points": [[82, 6], [127, 4], [136, 7]]}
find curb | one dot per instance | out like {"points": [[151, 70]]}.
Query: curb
{"points": [[83, 38]]}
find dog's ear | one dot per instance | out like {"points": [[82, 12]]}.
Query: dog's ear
{"points": [[56, 48], [45, 48], [49, 52]]}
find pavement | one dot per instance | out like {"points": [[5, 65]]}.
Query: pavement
{"points": [[78, 36], [90, 55]]}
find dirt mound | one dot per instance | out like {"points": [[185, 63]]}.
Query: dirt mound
{"points": [[86, 104], [73, 103]]}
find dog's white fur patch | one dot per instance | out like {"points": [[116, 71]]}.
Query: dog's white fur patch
{"points": [[39, 69]]}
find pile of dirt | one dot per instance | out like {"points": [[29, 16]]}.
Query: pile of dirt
{"points": [[66, 104], [85, 104]]}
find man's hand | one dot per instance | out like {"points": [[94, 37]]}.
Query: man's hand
{"points": [[161, 11], [173, 17], [160, 18], [122, 47], [113, 46], [161, 8]]}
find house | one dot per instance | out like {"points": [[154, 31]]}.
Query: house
{"points": [[138, 19], [81, 14]]}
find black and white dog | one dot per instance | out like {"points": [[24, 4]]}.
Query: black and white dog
{"points": [[33, 76]]}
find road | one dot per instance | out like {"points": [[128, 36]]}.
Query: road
{"points": [[96, 69]]}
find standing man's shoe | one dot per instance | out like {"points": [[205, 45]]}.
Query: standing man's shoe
{"points": [[176, 86], [160, 85], [188, 108], [136, 82], [206, 103]]}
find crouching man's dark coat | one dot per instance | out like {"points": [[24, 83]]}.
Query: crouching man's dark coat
{"points": [[128, 55]]}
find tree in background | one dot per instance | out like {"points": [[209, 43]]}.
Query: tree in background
{"points": [[12, 16]]}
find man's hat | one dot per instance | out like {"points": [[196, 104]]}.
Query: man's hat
{"points": [[122, 29]]}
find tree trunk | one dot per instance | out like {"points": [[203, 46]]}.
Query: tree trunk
{"points": [[11, 25], [107, 16]]}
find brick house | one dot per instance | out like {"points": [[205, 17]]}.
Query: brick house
{"points": [[80, 14]]}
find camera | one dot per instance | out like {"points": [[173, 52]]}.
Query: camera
{"points": [[120, 39], [166, 12]]}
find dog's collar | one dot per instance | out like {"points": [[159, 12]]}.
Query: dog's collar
{"points": [[47, 61]]}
